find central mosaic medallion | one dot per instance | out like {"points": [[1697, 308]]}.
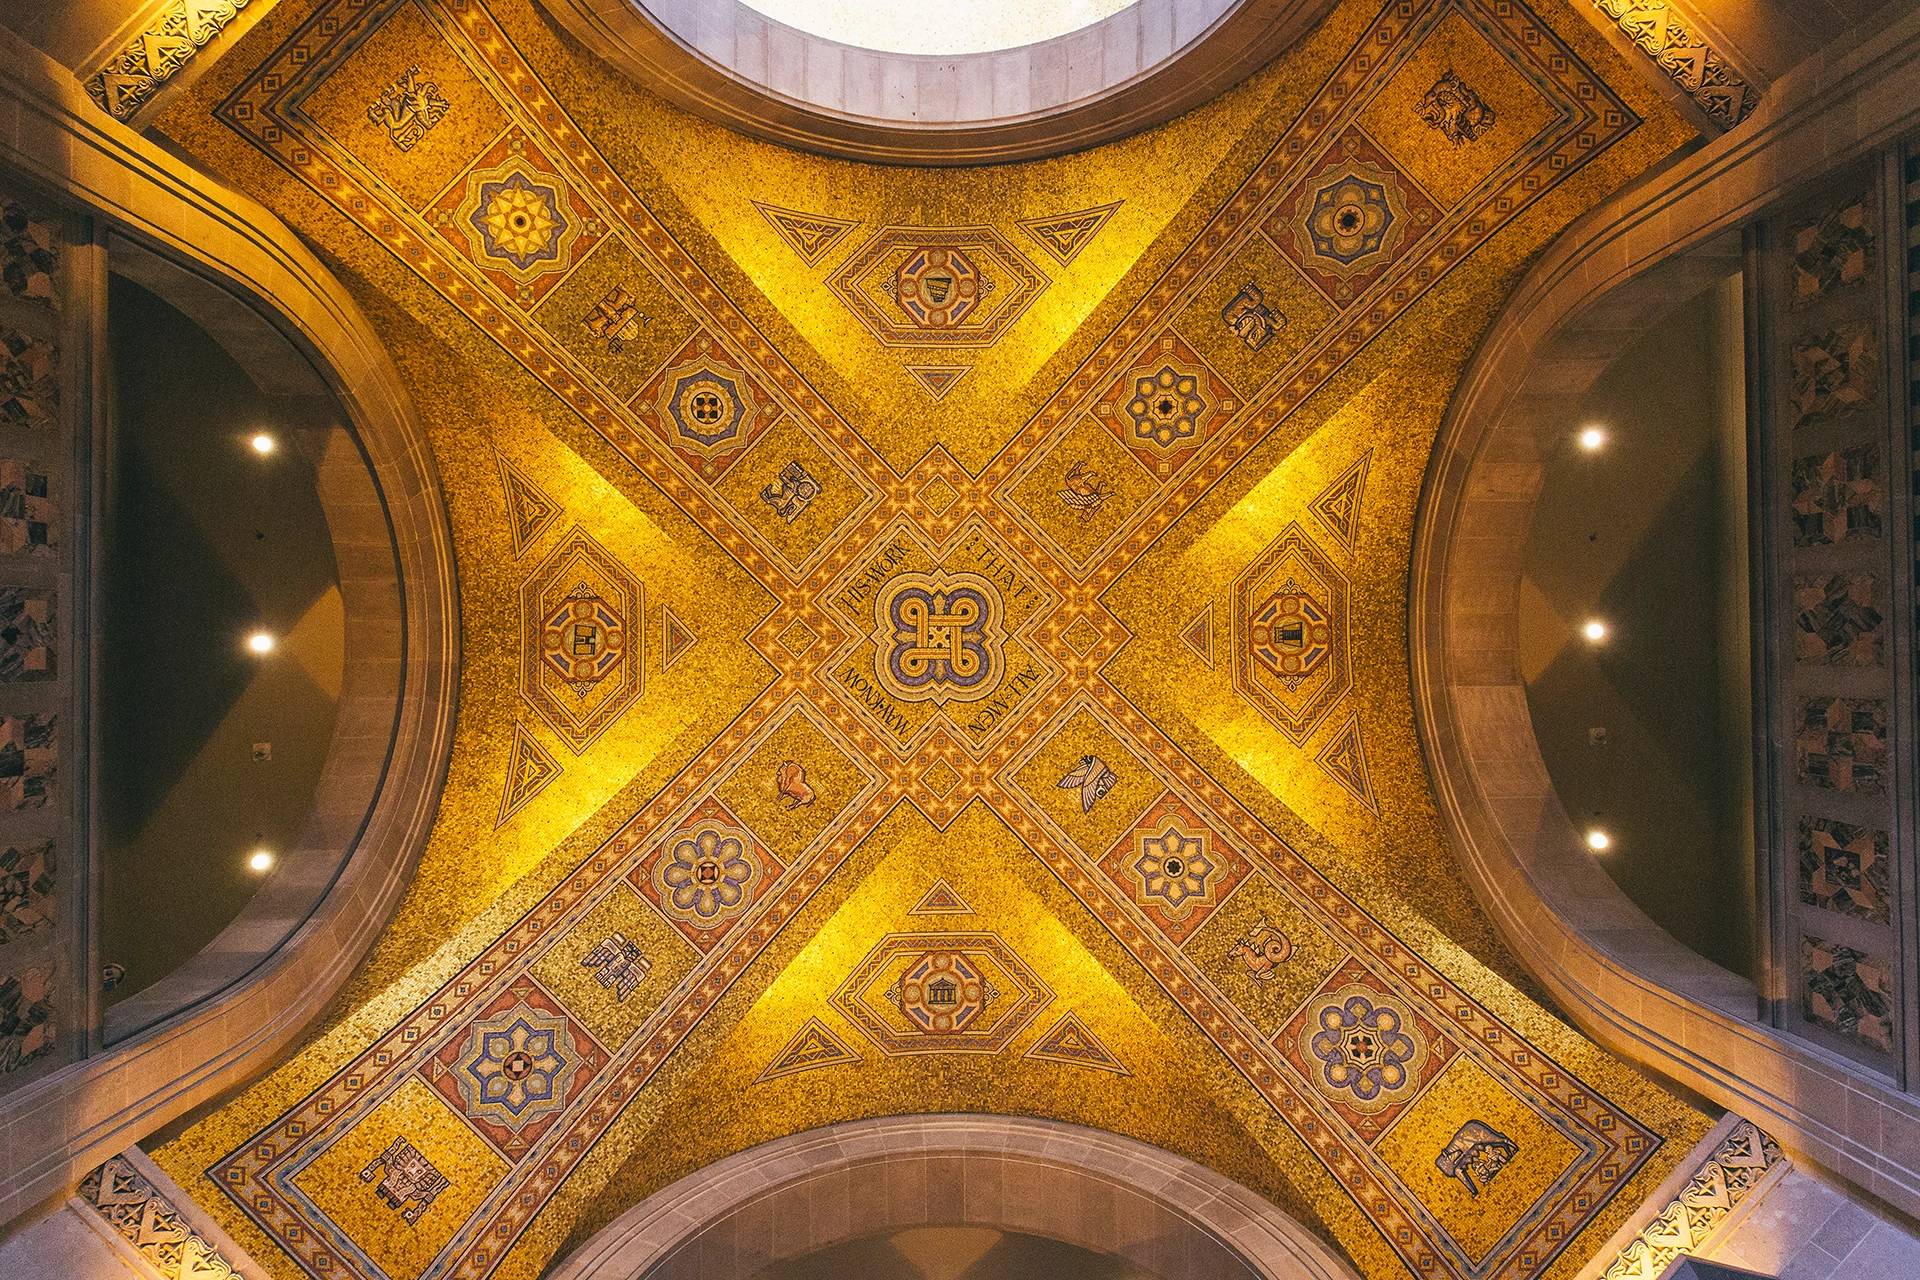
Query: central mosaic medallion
{"points": [[938, 633], [941, 993], [938, 636], [938, 288]]}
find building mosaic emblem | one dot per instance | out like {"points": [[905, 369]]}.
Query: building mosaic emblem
{"points": [[582, 665], [939, 637], [1289, 656], [941, 993], [938, 286]]}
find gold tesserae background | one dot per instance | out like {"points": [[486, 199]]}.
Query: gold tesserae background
{"points": [[931, 641]]}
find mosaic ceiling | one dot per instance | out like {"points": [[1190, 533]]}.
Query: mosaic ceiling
{"points": [[932, 641]]}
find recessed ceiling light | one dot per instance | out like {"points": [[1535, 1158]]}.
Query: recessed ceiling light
{"points": [[1597, 840], [260, 642], [261, 860], [263, 443], [1595, 630], [1592, 438]]}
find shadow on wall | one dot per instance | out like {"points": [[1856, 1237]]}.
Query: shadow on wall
{"points": [[1647, 732]]}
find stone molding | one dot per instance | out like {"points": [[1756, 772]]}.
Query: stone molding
{"points": [[1668, 36], [154, 1226], [826, 1186], [54, 1129], [180, 30], [1621, 978], [1134, 69], [1729, 1171]]}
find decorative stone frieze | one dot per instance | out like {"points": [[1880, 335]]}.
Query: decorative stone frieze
{"points": [[151, 1224], [179, 31], [1677, 48], [1722, 1184]]}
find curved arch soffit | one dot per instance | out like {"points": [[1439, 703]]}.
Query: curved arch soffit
{"points": [[1142, 66], [1156, 1209], [67, 1122], [1623, 980]]}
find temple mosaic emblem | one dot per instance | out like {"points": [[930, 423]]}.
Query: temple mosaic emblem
{"points": [[408, 1183], [941, 993], [408, 108], [1289, 656], [582, 663], [938, 286]]}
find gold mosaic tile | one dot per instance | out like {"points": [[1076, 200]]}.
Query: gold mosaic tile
{"points": [[786, 884], [408, 42], [361, 1181], [613, 1016], [794, 786], [1464, 1095]]}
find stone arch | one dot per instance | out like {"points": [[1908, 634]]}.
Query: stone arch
{"points": [[843, 1182]]}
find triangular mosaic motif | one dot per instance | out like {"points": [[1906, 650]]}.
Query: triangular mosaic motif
{"points": [[938, 379], [941, 900], [675, 639], [814, 1045], [1064, 235], [529, 511], [810, 235], [1071, 1043], [1197, 635], [1345, 759], [1338, 506], [529, 770]]}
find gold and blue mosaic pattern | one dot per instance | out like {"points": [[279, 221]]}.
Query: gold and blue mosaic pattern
{"points": [[938, 640]]}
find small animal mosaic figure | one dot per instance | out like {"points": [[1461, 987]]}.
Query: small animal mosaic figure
{"points": [[1476, 1155], [1086, 492], [407, 1182], [796, 490], [1094, 780], [408, 108], [1250, 318], [112, 976], [1456, 110], [791, 783], [616, 319], [619, 962], [1264, 948]]}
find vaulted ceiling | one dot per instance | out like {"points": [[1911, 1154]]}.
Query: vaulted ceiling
{"points": [[933, 640]]}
